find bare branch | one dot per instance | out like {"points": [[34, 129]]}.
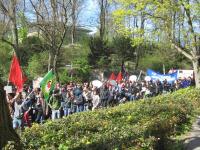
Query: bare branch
{"points": [[8, 42], [182, 51]]}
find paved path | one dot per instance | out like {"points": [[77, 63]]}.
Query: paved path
{"points": [[192, 141]]}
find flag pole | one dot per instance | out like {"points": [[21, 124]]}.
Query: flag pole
{"points": [[29, 94], [164, 69], [139, 75]]}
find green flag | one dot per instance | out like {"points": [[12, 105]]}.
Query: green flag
{"points": [[47, 84]]}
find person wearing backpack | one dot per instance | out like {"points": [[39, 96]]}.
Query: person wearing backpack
{"points": [[78, 98], [104, 94]]}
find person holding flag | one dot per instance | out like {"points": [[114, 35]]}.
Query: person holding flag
{"points": [[124, 72], [17, 78], [51, 94]]}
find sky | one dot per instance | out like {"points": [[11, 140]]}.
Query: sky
{"points": [[89, 15]]}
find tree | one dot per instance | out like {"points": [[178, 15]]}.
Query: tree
{"points": [[7, 133], [123, 48], [99, 53], [104, 19], [160, 55], [37, 64], [5, 56], [52, 21], [76, 9], [103, 6], [9, 19], [160, 16], [130, 24]]}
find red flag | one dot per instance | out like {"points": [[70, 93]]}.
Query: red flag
{"points": [[119, 77], [16, 75], [112, 76]]}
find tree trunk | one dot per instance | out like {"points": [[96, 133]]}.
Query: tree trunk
{"points": [[7, 133], [55, 67], [137, 59], [15, 38], [74, 7], [49, 62], [103, 4], [196, 68]]}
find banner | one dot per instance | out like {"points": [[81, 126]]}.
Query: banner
{"points": [[16, 75], [112, 76], [36, 82], [157, 76], [48, 84], [119, 77]]}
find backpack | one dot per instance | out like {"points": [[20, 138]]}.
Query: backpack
{"points": [[78, 99]]}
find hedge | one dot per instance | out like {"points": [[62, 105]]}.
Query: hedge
{"points": [[144, 124]]}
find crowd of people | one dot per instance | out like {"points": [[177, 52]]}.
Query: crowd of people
{"points": [[30, 106]]}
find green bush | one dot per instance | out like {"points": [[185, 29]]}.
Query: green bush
{"points": [[144, 124], [38, 65]]}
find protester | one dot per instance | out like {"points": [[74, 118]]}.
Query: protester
{"points": [[55, 104], [39, 106], [31, 106], [87, 95], [104, 94], [18, 111], [95, 99], [10, 102], [78, 98]]}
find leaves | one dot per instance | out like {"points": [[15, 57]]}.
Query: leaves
{"points": [[139, 125]]}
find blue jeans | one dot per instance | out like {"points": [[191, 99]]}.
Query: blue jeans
{"points": [[79, 108], [55, 114], [67, 111], [132, 97], [63, 104], [86, 107], [17, 123]]}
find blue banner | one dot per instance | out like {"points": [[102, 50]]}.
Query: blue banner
{"points": [[157, 76]]}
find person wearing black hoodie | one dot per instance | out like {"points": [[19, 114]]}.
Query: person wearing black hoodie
{"points": [[78, 98], [104, 94]]}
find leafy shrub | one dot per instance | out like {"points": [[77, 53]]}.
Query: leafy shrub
{"points": [[144, 124]]}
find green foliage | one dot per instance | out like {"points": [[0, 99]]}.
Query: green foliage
{"points": [[79, 73], [72, 52], [64, 76], [6, 53], [23, 26], [152, 61], [30, 46], [37, 65], [160, 55], [99, 53], [82, 69], [29, 56], [144, 124], [123, 48], [76, 55]]}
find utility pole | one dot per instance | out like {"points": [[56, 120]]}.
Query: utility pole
{"points": [[164, 69]]}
